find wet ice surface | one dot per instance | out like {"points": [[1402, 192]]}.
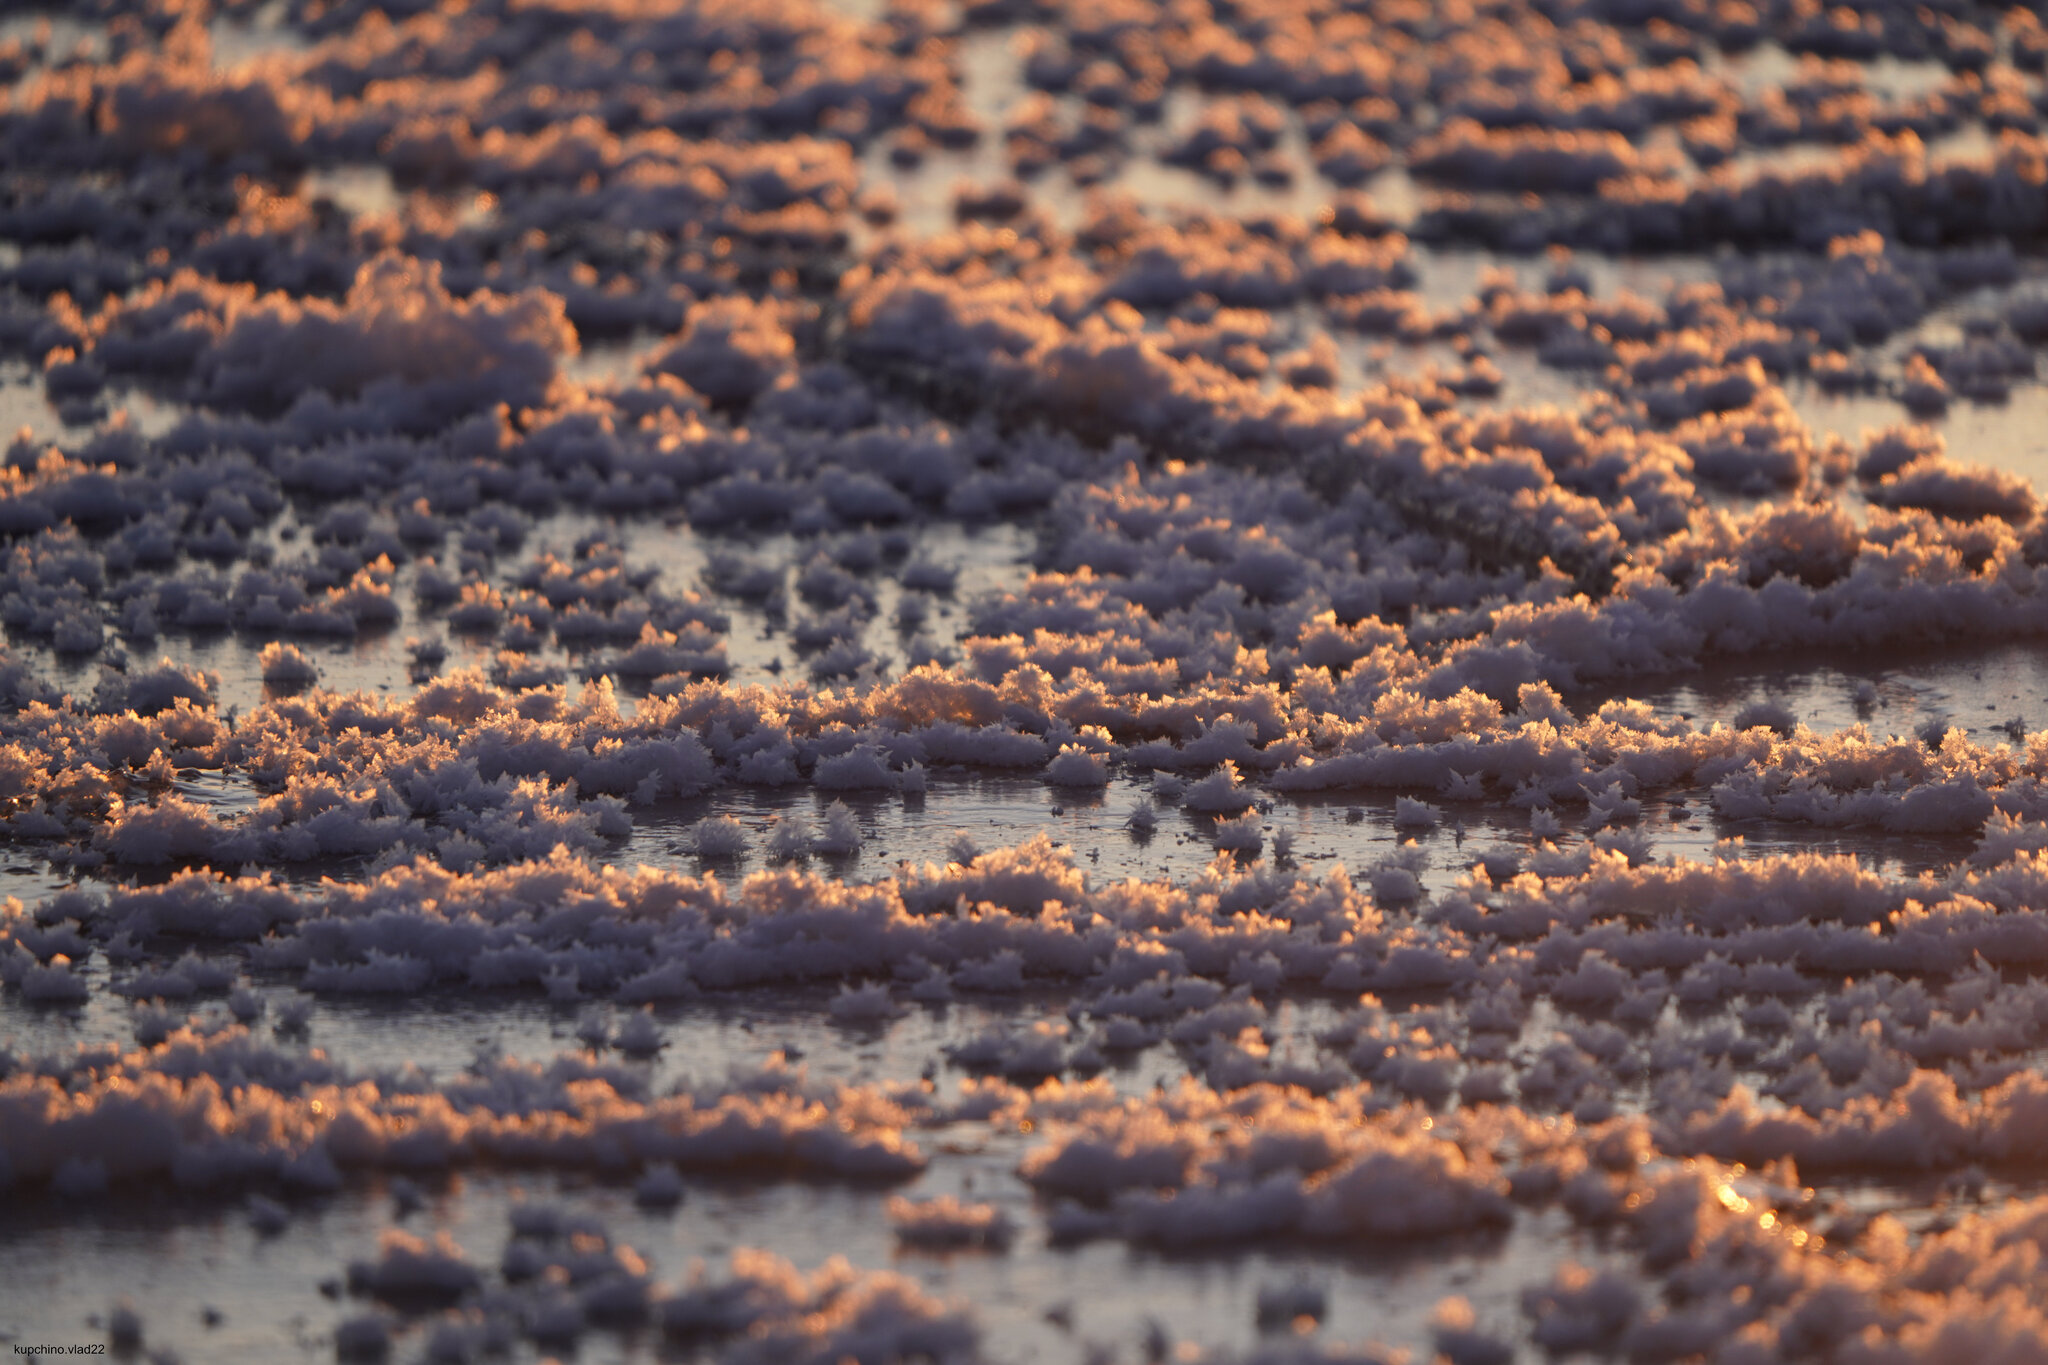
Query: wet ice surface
{"points": [[1649, 837], [1214, 1303]]}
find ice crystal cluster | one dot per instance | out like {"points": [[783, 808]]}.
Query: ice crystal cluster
{"points": [[1008, 680]]}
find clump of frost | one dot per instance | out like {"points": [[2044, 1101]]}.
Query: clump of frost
{"points": [[286, 665], [408, 1268], [640, 1035], [1412, 814], [1610, 806], [124, 1328], [407, 1198], [1394, 883], [790, 838], [1455, 1334], [53, 982], [1219, 793], [1633, 844], [267, 1216], [1955, 489], [1579, 1309], [864, 1005], [716, 836], [1027, 1055], [1075, 766], [862, 768], [841, 834], [1241, 834], [927, 575], [1282, 1305], [594, 1027], [660, 1187], [948, 1224], [2007, 836], [400, 337], [779, 1314], [730, 349], [1892, 449], [935, 987], [1500, 863], [364, 1337], [78, 634], [295, 1014], [1768, 715]]}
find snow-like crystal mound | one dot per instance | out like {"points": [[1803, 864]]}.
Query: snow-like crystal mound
{"points": [[775, 682]]}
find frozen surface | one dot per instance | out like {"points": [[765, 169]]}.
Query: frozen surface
{"points": [[894, 681]]}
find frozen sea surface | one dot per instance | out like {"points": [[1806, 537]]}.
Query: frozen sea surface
{"points": [[905, 681]]}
